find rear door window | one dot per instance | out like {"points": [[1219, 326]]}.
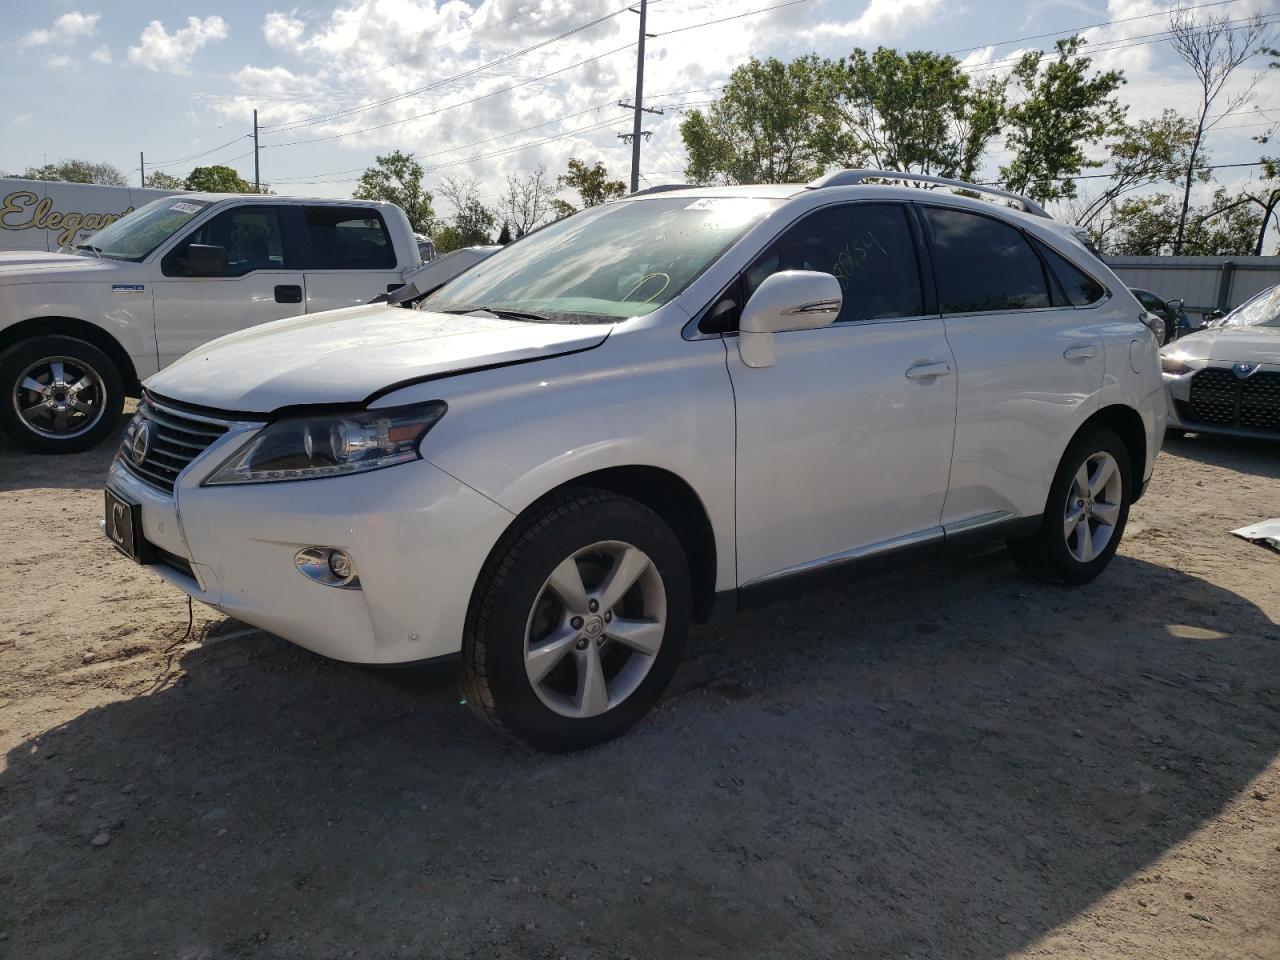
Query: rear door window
{"points": [[345, 238], [868, 247], [983, 265]]}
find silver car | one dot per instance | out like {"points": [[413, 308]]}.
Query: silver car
{"points": [[1226, 379]]}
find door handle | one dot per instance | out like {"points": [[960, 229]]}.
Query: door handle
{"points": [[1079, 352], [289, 293], [927, 371]]}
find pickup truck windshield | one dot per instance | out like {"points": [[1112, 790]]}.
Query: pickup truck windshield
{"points": [[134, 237], [606, 263]]}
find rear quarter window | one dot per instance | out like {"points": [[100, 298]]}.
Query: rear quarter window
{"points": [[349, 239]]}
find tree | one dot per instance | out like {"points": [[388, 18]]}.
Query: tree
{"points": [[1214, 50], [397, 178], [915, 112], [769, 125], [473, 223], [504, 236], [159, 180], [527, 201], [1063, 111], [78, 171], [592, 183], [1148, 226], [1143, 154], [217, 179]]}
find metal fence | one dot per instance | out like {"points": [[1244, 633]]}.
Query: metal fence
{"points": [[1204, 283]]}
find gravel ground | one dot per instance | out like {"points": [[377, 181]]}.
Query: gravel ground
{"points": [[952, 761]]}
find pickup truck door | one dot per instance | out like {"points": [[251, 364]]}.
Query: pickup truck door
{"points": [[352, 257], [260, 282], [844, 444]]}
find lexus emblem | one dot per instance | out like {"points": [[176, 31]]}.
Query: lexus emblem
{"points": [[1243, 370], [118, 516], [140, 444]]}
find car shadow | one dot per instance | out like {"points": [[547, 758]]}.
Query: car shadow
{"points": [[23, 470], [946, 762], [1259, 458]]}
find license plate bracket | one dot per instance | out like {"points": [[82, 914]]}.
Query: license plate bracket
{"points": [[123, 523]]}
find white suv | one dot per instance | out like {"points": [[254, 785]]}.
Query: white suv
{"points": [[648, 414]]}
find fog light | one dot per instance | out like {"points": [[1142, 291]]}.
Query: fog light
{"points": [[329, 566]]}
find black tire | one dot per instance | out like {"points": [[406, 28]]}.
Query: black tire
{"points": [[105, 395], [1046, 554], [495, 683]]}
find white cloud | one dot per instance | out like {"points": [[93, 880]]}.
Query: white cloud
{"points": [[166, 52], [64, 31], [880, 20], [61, 62], [20, 120], [101, 55], [282, 29]]}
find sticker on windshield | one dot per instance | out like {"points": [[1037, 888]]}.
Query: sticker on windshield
{"points": [[128, 288], [184, 207], [708, 203]]}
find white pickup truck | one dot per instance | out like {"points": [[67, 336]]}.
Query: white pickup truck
{"points": [[80, 329]]}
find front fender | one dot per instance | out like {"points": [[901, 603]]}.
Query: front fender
{"points": [[127, 317]]}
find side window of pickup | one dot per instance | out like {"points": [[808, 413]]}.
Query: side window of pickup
{"points": [[251, 236], [349, 238]]}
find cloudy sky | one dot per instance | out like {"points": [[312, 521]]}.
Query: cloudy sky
{"points": [[484, 89]]}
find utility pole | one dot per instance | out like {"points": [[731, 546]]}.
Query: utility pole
{"points": [[636, 132], [257, 179], [142, 170]]}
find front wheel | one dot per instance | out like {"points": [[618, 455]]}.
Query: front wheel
{"points": [[1086, 512], [577, 623], [61, 394]]}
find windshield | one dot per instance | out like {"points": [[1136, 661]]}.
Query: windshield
{"points": [[134, 237], [606, 263], [1262, 311]]}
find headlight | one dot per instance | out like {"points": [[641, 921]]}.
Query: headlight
{"points": [[331, 445], [1173, 364]]}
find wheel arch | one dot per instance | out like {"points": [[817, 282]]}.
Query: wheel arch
{"points": [[672, 498], [1127, 423], [81, 330]]}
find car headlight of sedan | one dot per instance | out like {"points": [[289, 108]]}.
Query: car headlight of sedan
{"points": [[1173, 364], [331, 445]]}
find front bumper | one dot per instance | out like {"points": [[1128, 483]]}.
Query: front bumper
{"points": [[1180, 411], [418, 536]]}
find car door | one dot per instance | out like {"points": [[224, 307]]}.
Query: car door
{"points": [[1030, 365], [261, 281], [844, 443], [352, 257]]}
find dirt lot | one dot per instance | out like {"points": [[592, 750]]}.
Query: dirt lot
{"points": [[953, 761]]}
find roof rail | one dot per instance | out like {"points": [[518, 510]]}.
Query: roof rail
{"points": [[661, 188], [847, 178]]}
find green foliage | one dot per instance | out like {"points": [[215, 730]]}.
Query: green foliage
{"points": [[769, 125], [217, 179], [159, 180], [78, 171], [448, 238], [397, 178], [592, 183], [1147, 226], [1064, 110], [914, 112]]}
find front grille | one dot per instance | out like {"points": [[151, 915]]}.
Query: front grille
{"points": [[176, 438], [1220, 398]]}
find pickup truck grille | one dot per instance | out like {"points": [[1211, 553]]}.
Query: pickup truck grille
{"points": [[176, 438], [1220, 398]]}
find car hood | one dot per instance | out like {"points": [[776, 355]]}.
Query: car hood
{"points": [[1232, 344], [345, 356], [35, 265]]}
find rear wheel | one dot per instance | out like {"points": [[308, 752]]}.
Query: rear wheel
{"points": [[577, 623], [1086, 512], [61, 394]]}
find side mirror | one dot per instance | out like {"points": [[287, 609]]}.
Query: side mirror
{"points": [[787, 300], [1175, 304], [206, 261]]}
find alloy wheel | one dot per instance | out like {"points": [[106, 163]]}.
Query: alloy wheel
{"points": [[59, 397], [1093, 507], [595, 629]]}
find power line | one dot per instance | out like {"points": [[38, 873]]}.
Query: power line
{"points": [[736, 16], [203, 153]]}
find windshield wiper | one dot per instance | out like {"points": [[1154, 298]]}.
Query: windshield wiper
{"points": [[89, 246], [502, 313]]}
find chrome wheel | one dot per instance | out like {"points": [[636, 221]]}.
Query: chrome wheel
{"points": [[595, 629], [59, 397], [1093, 507]]}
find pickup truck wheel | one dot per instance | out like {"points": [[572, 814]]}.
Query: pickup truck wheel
{"points": [[61, 395], [1086, 512], [577, 623]]}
